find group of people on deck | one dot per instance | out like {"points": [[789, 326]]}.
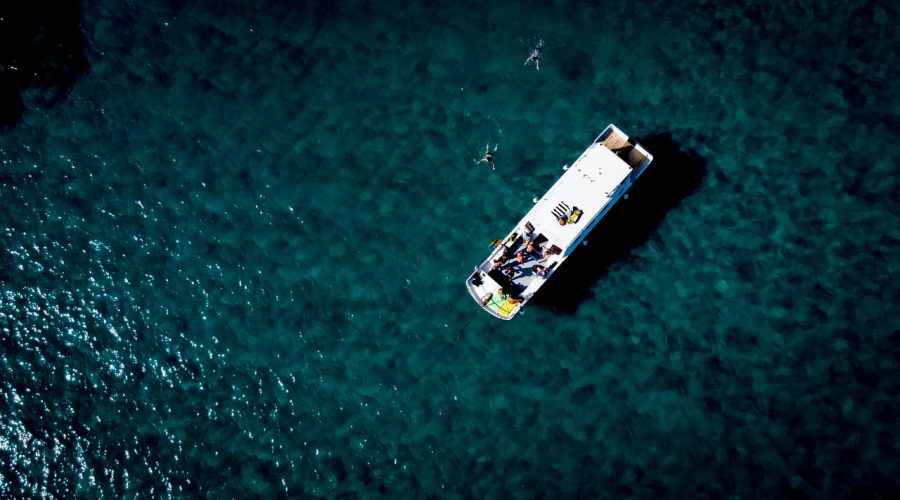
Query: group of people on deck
{"points": [[509, 264], [528, 252]]}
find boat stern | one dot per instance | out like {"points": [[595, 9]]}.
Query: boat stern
{"points": [[491, 296]]}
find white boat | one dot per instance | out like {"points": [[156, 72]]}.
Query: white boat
{"points": [[557, 224]]}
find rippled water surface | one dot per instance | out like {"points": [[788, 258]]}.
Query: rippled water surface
{"points": [[232, 257]]}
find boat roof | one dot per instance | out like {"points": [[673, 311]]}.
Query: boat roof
{"points": [[587, 185]]}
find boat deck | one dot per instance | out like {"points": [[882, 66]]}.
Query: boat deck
{"points": [[623, 147], [589, 185], [522, 275], [557, 224]]}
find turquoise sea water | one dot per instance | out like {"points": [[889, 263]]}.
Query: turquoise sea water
{"points": [[232, 256]]}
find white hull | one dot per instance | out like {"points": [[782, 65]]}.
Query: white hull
{"points": [[558, 223]]}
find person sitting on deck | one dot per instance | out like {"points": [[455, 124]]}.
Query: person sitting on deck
{"points": [[529, 248], [510, 273], [520, 257], [539, 271], [548, 251], [503, 251]]}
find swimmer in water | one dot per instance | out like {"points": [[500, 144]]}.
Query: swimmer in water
{"points": [[488, 156], [535, 56]]}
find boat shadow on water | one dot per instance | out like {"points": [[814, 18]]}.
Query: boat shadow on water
{"points": [[674, 174]]}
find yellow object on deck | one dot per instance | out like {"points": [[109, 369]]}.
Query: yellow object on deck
{"points": [[575, 216], [501, 305]]}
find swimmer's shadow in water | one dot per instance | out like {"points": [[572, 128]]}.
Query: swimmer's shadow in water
{"points": [[673, 175]]}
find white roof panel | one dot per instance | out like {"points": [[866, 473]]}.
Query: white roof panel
{"points": [[588, 185]]}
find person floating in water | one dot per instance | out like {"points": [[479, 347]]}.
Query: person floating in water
{"points": [[488, 156], [535, 56]]}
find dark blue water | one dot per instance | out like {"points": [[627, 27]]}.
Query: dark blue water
{"points": [[233, 244]]}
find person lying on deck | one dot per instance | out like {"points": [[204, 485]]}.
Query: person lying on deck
{"points": [[509, 298]]}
